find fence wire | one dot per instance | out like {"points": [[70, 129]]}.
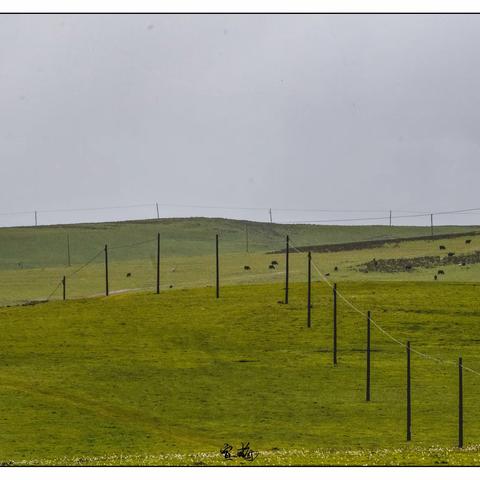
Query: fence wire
{"points": [[381, 329]]}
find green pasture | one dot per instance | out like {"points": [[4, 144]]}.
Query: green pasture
{"points": [[141, 378], [20, 285]]}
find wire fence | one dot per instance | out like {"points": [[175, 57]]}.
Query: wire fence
{"points": [[378, 326], [94, 275]]}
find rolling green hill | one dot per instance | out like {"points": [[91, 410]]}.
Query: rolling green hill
{"points": [[33, 260], [33, 247]]}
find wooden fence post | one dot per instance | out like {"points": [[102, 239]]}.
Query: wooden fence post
{"points": [[286, 270], [460, 403], [158, 262], [106, 271], [217, 273], [368, 357], [334, 323], [309, 291], [409, 396]]}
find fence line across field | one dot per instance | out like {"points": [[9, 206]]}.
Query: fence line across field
{"points": [[156, 285], [377, 326]]}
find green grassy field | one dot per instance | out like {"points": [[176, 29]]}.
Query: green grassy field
{"points": [[168, 379], [32, 260], [145, 379]]}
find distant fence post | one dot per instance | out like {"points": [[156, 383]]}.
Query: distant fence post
{"points": [[64, 281], [409, 396], [368, 357], [106, 271], [68, 251], [309, 291], [158, 262], [460, 403], [431, 224], [217, 273], [334, 323], [286, 270]]}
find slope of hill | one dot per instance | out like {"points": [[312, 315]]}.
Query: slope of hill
{"points": [[27, 247]]}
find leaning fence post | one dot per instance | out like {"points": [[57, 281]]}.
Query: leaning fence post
{"points": [[286, 271], [334, 323], [460, 403], [64, 286], [409, 396], [309, 291], [106, 271], [217, 273], [158, 262], [368, 357]]}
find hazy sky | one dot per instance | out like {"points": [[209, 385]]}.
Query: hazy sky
{"points": [[348, 112]]}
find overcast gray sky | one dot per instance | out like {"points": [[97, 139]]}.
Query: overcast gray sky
{"points": [[348, 112]]}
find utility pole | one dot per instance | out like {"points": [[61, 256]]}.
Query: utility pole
{"points": [[36, 223], [158, 213], [431, 224], [390, 218], [270, 212], [246, 237]]}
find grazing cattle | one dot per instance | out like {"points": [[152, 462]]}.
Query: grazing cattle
{"points": [[435, 277], [451, 254], [129, 274], [246, 267], [170, 286], [173, 270], [274, 262], [468, 241], [271, 267], [327, 274], [442, 247], [408, 267], [441, 272], [336, 269], [463, 264]]}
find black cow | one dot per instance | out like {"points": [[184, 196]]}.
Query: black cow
{"points": [[246, 267], [336, 269], [435, 277], [442, 247], [271, 267], [451, 254], [129, 274], [274, 262], [441, 272], [468, 241]]}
